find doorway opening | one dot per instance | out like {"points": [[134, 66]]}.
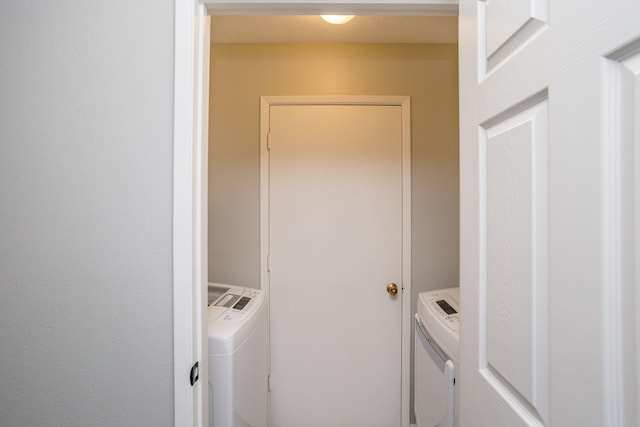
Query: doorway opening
{"points": [[420, 64]]}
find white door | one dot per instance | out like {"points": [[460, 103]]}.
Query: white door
{"points": [[550, 127], [335, 243]]}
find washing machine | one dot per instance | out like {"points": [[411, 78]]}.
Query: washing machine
{"points": [[437, 349], [238, 357]]}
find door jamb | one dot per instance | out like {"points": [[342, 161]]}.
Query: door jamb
{"points": [[320, 7], [190, 144], [404, 102]]}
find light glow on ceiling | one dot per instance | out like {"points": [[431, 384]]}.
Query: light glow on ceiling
{"points": [[337, 19]]}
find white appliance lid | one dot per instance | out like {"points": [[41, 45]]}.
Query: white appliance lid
{"points": [[232, 316], [439, 312]]}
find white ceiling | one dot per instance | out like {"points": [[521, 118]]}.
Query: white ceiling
{"points": [[312, 29]]}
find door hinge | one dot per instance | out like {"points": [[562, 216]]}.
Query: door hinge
{"points": [[269, 263], [194, 375], [269, 141], [269, 383]]}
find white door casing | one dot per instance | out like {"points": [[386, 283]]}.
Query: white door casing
{"points": [[338, 7], [339, 342], [190, 145], [550, 119]]}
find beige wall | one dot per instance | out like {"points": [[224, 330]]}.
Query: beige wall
{"points": [[241, 73]]}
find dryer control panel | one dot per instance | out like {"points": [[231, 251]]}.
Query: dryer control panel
{"points": [[439, 313], [444, 306]]}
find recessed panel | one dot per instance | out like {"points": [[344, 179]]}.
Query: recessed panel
{"points": [[621, 190], [507, 26], [516, 179]]}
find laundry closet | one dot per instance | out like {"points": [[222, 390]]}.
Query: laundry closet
{"points": [[250, 64]]}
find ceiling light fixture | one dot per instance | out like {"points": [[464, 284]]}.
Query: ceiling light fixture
{"points": [[337, 19]]}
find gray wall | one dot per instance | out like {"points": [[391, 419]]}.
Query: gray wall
{"points": [[85, 213]]}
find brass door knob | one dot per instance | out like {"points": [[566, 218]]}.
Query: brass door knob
{"points": [[392, 288]]}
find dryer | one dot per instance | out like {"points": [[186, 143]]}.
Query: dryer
{"points": [[437, 343], [238, 357]]}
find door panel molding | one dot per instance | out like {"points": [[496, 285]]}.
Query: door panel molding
{"points": [[621, 236], [505, 27], [514, 285]]}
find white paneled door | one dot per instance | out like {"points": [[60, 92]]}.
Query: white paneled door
{"points": [[335, 212], [550, 131]]}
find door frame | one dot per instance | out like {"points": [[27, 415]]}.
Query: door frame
{"points": [[190, 145], [404, 103], [190, 140]]}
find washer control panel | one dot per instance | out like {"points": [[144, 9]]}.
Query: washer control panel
{"points": [[232, 304]]}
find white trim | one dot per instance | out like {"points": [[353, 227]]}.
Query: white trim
{"points": [[401, 101], [406, 260], [201, 237], [405, 103], [613, 227], [620, 73], [264, 227], [264, 195], [191, 76], [319, 7]]}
